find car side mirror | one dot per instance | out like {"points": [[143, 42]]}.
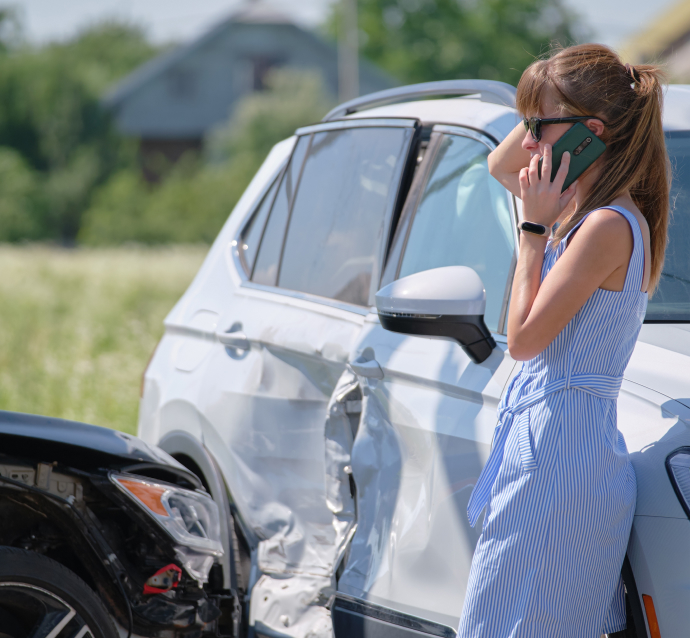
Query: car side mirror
{"points": [[442, 303]]}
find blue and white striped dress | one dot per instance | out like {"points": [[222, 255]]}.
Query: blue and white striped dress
{"points": [[558, 487]]}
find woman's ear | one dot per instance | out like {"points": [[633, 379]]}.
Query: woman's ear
{"points": [[596, 126]]}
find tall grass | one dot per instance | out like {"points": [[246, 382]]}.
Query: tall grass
{"points": [[78, 326]]}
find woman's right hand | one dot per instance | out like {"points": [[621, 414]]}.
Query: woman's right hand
{"points": [[542, 200]]}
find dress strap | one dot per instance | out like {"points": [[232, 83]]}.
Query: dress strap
{"points": [[636, 264]]}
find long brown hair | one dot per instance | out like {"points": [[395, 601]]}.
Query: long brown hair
{"points": [[590, 79]]}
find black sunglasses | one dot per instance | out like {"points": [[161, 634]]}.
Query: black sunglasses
{"points": [[534, 124]]}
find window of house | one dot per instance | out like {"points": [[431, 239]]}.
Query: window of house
{"points": [[261, 68], [181, 82]]}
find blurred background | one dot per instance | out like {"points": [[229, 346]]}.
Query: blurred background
{"points": [[130, 128]]}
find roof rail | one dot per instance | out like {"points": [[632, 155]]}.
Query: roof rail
{"points": [[489, 91]]}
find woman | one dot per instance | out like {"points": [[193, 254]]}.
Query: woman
{"points": [[558, 487]]}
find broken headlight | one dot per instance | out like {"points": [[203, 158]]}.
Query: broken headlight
{"points": [[191, 518]]}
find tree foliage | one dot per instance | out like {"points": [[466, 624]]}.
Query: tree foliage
{"points": [[20, 193], [424, 40], [52, 118]]}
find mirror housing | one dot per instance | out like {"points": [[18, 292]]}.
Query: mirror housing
{"points": [[442, 303]]}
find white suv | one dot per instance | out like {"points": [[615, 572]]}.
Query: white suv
{"points": [[342, 453]]}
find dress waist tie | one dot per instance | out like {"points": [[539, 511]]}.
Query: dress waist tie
{"points": [[599, 385]]}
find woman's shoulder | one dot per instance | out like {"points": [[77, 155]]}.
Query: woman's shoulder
{"points": [[606, 222], [611, 216], [605, 231], [608, 236]]}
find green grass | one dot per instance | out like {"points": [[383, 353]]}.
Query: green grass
{"points": [[78, 326]]}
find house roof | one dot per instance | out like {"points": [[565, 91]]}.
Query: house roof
{"points": [[194, 87], [140, 77]]}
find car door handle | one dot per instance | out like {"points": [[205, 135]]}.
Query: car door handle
{"points": [[233, 339], [368, 368]]}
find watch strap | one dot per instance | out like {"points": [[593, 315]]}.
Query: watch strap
{"points": [[535, 229]]}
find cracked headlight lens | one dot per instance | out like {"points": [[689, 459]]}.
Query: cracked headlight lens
{"points": [[191, 518]]}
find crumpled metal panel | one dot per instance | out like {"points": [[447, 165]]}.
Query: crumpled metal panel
{"points": [[264, 415], [342, 423], [423, 438], [376, 459], [268, 438], [295, 604], [292, 607]]}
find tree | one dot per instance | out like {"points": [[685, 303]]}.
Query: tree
{"points": [[424, 40], [11, 34], [21, 201], [52, 117]]}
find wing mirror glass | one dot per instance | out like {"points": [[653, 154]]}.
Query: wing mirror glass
{"points": [[442, 303]]}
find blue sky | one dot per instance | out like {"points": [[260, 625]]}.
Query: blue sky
{"points": [[610, 20]]}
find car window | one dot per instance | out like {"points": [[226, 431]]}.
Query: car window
{"points": [[348, 185], [671, 299], [464, 219], [251, 235], [266, 266]]}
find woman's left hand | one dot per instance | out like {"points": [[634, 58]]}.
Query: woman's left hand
{"points": [[542, 200]]}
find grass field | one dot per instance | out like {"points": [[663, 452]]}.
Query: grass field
{"points": [[78, 326]]}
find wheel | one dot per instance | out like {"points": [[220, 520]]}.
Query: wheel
{"points": [[40, 598]]}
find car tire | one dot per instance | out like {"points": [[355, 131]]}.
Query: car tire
{"points": [[38, 595]]}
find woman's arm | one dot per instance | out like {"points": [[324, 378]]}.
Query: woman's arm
{"points": [[604, 242], [508, 158]]}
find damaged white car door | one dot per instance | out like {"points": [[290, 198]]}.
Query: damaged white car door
{"points": [[428, 411], [312, 254]]}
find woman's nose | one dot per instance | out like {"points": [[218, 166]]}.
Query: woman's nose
{"points": [[528, 143]]}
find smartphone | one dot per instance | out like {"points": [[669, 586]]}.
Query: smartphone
{"points": [[584, 148]]}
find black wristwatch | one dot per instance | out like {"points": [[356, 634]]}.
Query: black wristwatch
{"points": [[535, 229]]}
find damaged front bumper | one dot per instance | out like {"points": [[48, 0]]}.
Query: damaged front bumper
{"points": [[127, 519]]}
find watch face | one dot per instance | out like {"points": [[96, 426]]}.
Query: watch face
{"points": [[531, 227]]}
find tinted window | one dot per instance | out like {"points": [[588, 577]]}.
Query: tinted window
{"points": [[464, 219], [251, 235], [266, 267], [671, 299], [348, 184]]}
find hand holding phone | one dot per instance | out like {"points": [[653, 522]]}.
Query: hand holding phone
{"points": [[584, 148], [543, 201]]}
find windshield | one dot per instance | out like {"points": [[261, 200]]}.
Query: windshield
{"points": [[671, 300]]}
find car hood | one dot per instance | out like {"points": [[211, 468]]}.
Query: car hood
{"points": [[79, 445], [661, 360]]}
